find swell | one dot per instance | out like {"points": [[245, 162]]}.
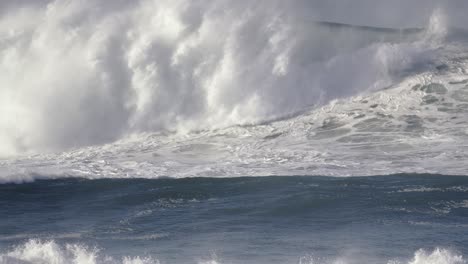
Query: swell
{"points": [[313, 217], [392, 31], [78, 73]]}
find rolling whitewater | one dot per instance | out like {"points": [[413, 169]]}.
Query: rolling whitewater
{"points": [[233, 132]]}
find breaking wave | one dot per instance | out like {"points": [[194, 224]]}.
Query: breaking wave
{"points": [[42, 252], [80, 73], [194, 88]]}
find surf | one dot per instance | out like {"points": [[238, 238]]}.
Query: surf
{"points": [[36, 251], [157, 90], [77, 74]]}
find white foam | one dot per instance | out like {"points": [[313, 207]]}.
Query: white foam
{"points": [[438, 256], [86, 73], [158, 91], [385, 132], [50, 252]]}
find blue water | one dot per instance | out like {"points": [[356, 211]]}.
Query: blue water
{"points": [[242, 220]]}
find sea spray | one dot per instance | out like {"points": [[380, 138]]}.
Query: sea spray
{"points": [[49, 252], [80, 73]]}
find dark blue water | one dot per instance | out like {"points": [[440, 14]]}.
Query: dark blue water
{"points": [[241, 220]]}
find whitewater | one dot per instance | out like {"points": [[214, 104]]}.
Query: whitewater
{"points": [[49, 252], [157, 90], [176, 131]]}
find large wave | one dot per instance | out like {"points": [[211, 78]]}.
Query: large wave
{"points": [[214, 88], [79, 73]]}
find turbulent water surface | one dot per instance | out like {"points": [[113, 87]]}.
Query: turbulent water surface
{"points": [[388, 219], [233, 131]]}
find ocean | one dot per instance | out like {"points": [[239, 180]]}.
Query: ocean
{"points": [[219, 131], [386, 219]]}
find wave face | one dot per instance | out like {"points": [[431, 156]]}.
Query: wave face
{"points": [[182, 88], [401, 219]]}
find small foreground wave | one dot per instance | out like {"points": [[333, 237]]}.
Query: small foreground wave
{"points": [[42, 252]]}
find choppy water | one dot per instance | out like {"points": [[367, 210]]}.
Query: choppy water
{"points": [[237, 220]]}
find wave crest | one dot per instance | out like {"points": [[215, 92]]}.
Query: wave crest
{"points": [[77, 73], [50, 252]]}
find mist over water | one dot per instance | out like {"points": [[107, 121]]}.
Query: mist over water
{"points": [[215, 88], [80, 73]]}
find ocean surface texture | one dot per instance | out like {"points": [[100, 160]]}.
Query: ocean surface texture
{"points": [[222, 131], [415, 219]]}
